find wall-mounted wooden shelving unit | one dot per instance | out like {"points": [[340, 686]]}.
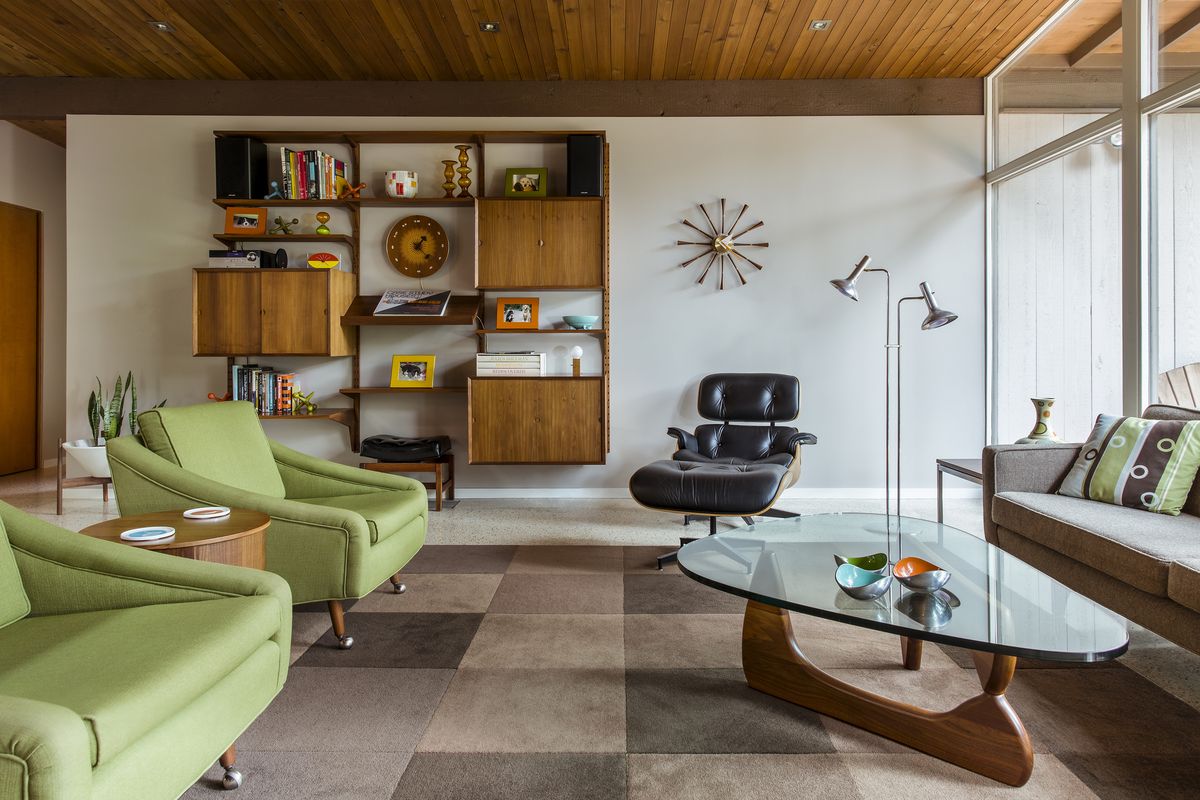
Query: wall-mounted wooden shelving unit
{"points": [[552, 244]]}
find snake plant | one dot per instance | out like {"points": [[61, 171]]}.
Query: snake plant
{"points": [[106, 415]]}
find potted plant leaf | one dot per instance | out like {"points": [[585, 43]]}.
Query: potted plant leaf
{"points": [[106, 419]]}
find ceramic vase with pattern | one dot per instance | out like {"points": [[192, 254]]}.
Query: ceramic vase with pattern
{"points": [[1043, 430]]}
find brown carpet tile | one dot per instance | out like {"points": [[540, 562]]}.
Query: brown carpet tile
{"points": [[517, 673]]}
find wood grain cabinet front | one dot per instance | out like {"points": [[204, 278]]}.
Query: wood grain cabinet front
{"points": [[540, 244], [238, 312], [554, 420]]}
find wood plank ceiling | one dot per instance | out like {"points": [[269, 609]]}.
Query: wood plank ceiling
{"points": [[1082, 31], [538, 40]]}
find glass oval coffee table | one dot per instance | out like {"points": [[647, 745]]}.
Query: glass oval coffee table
{"points": [[994, 605]]}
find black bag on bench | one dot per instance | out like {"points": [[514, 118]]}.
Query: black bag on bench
{"points": [[399, 449]]}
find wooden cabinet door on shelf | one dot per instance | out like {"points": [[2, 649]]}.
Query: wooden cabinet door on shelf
{"points": [[225, 313], [573, 252], [536, 420], [509, 253], [294, 312]]}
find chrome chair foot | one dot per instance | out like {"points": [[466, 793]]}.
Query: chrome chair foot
{"points": [[399, 588], [232, 779], [345, 642]]}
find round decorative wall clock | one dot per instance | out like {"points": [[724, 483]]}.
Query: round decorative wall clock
{"points": [[417, 246], [721, 245]]}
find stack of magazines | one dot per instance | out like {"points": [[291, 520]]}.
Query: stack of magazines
{"points": [[522, 364]]}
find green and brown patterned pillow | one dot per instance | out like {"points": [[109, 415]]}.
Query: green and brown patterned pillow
{"points": [[1140, 463]]}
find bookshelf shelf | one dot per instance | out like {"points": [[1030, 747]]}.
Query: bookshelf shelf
{"points": [[229, 202], [590, 331], [229, 239], [462, 310], [342, 416], [351, 391], [413, 202]]}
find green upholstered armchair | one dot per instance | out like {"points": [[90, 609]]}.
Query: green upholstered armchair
{"points": [[336, 532], [125, 673]]}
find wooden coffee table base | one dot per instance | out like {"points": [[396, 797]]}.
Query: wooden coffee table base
{"points": [[983, 734]]}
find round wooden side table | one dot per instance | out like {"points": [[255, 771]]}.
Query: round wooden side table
{"points": [[239, 539]]}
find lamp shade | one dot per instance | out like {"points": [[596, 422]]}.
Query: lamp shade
{"points": [[848, 285], [937, 316]]}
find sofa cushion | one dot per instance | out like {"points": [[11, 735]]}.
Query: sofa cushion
{"points": [[1183, 585], [220, 441], [1139, 463], [1125, 543], [14, 603], [385, 512], [782, 459], [126, 671]]}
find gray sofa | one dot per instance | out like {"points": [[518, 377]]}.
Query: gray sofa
{"points": [[1144, 566]]}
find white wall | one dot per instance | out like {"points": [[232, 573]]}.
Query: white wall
{"points": [[33, 175], [907, 190]]}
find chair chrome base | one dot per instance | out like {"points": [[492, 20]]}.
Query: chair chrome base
{"points": [[345, 642], [231, 780], [667, 558]]}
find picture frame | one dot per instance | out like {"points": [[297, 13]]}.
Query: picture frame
{"points": [[412, 372], [522, 182], [245, 220], [517, 313]]}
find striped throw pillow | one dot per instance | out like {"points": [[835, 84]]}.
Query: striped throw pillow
{"points": [[1139, 463]]}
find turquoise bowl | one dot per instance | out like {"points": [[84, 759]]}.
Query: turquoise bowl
{"points": [[875, 562], [862, 584], [581, 322]]}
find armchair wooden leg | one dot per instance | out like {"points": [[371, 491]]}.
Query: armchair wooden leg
{"points": [[397, 585], [233, 776], [345, 641]]}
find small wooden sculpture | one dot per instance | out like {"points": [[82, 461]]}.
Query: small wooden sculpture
{"points": [[303, 403], [222, 399], [322, 219], [282, 226], [276, 193], [464, 172], [448, 174], [349, 192]]}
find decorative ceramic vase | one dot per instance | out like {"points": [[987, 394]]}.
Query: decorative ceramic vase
{"points": [[464, 182], [1043, 432], [448, 174], [400, 183], [323, 223], [93, 459]]}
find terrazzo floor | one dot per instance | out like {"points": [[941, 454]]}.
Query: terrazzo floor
{"points": [[537, 653]]}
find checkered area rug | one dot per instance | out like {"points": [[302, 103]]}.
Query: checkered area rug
{"points": [[581, 672]]}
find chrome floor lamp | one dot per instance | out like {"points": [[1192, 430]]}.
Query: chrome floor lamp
{"points": [[935, 318]]}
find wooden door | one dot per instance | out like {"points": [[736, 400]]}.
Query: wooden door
{"points": [[295, 312], [510, 244], [573, 253], [536, 421], [20, 310], [225, 312]]}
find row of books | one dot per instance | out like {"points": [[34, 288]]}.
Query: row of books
{"points": [[311, 174], [268, 390], [521, 364]]}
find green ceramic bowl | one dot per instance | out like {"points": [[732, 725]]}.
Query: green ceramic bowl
{"points": [[872, 563]]}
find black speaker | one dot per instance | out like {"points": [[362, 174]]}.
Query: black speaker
{"points": [[585, 165], [241, 167]]}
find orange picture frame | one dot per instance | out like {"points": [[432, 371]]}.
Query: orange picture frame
{"points": [[517, 313], [245, 220]]}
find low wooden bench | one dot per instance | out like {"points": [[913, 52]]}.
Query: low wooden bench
{"points": [[442, 468]]}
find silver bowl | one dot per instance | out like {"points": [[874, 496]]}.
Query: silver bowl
{"points": [[925, 609], [862, 584], [918, 575]]}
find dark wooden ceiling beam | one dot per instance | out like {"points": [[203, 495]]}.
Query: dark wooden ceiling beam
{"points": [[50, 98], [1095, 41], [1179, 29]]}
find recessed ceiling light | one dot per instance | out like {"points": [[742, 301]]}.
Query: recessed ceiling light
{"points": [[160, 26], [489, 27], [820, 24]]}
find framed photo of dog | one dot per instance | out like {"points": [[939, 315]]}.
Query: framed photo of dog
{"points": [[517, 313], [412, 372], [525, 182]]}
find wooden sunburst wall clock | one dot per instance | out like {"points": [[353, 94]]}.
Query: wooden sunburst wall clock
{"points": [[721, 245], [417, 246]]}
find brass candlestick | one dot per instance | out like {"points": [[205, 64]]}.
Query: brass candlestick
{"points": [[448, 173], [464, 181]]}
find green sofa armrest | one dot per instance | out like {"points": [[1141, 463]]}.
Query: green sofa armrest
{"points": [[311, 477], [44, 752], [1022, 468]]}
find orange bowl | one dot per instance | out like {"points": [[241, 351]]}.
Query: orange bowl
{"points": [[907, 567]]}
